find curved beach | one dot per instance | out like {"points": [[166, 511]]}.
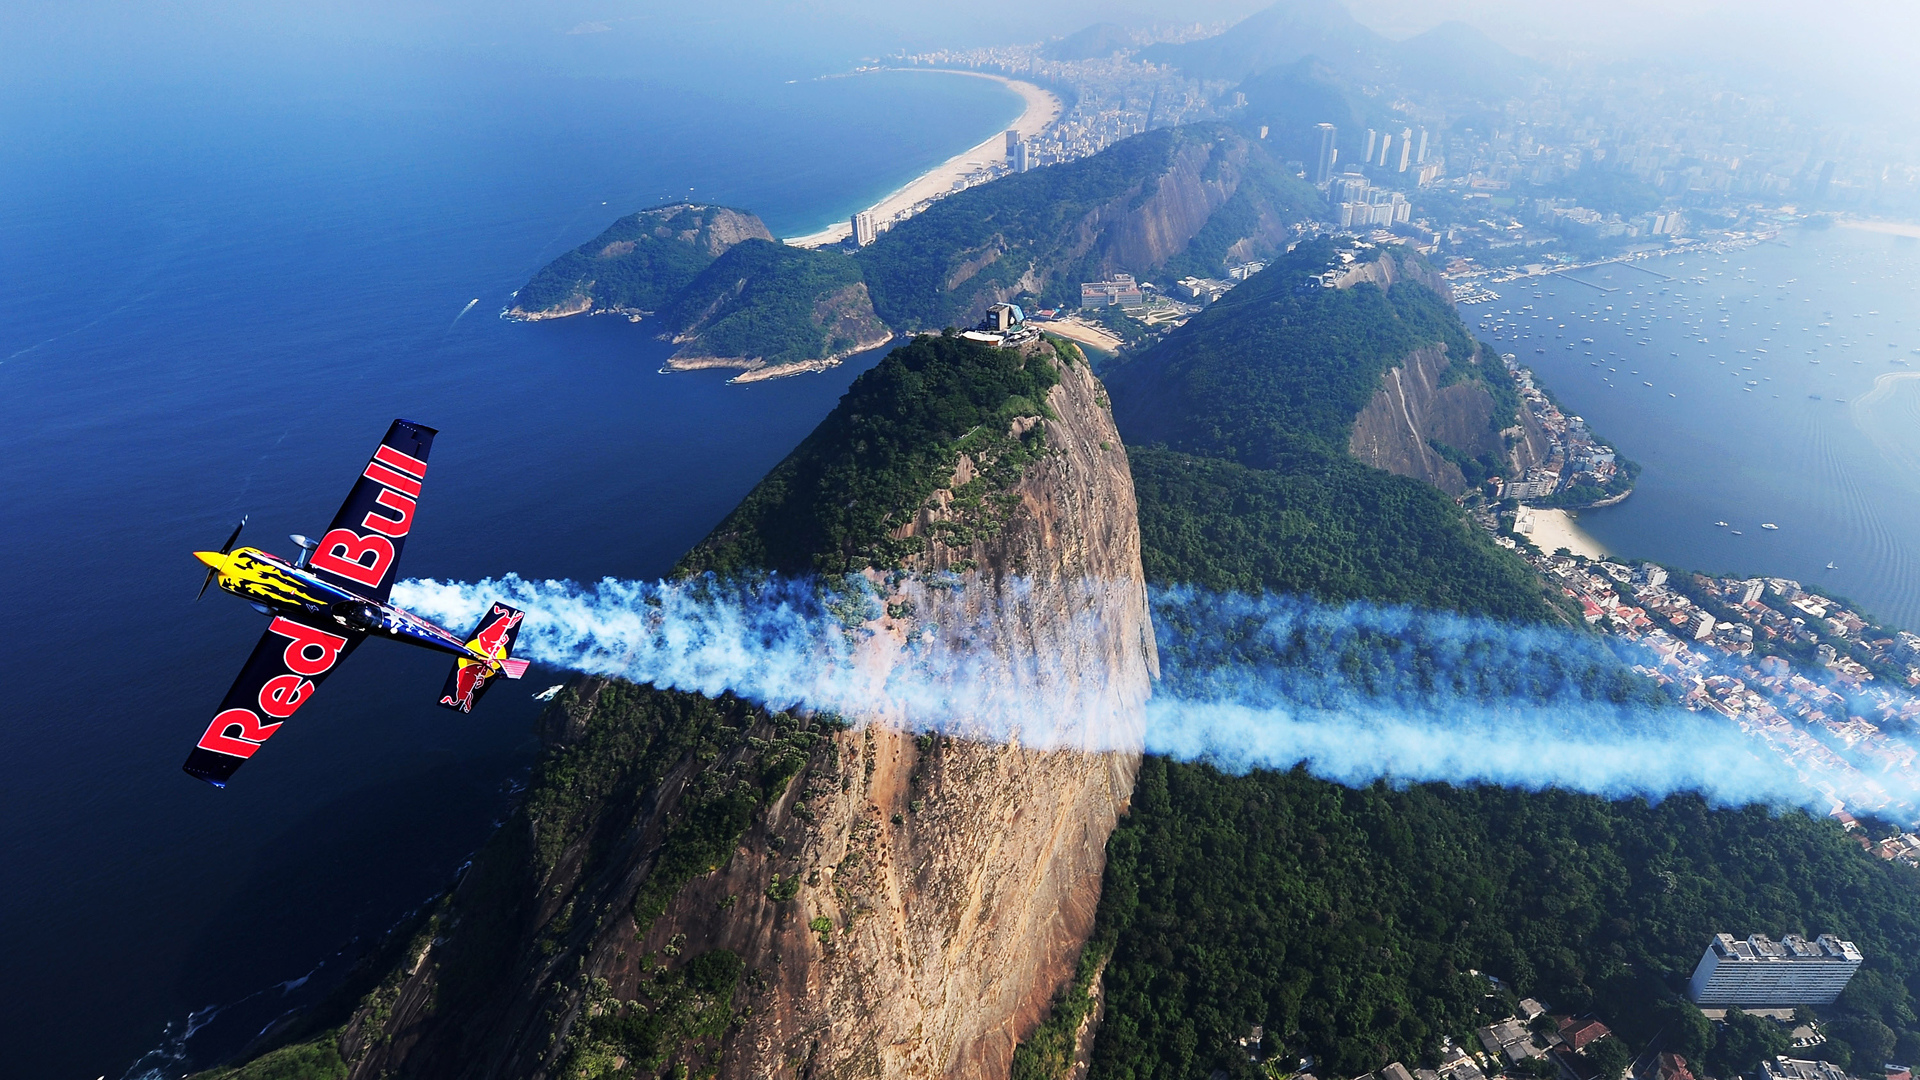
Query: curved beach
{"points": [[1042, 109]]}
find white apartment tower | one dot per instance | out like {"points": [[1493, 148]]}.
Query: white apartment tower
{"points": [[1761, 973], [863, 230], [1406, 147], [1323, 160], [1420, 155], [1386, 145]]}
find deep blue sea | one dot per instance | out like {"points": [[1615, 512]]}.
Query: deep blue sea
{"points": [[1777, 384], [212, 302]]}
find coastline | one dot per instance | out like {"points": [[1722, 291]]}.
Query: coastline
{"points": [[1082, 334], [1551, 530], [1042, 109], [753, 369]]}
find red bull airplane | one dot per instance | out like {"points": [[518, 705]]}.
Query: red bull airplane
{"points": [[333, 597]]}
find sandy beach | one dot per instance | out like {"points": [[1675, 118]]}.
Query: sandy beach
{"points": [[1042, 109], [1083, 333], [1551, 530]]}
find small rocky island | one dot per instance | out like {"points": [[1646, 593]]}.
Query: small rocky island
{"points": [[720, 287]]}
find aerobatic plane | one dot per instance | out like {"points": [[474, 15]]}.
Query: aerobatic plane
{"points": [[330, 599]]}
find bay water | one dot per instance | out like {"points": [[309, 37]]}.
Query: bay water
{"points": [[214, 303], [1777, 385]]}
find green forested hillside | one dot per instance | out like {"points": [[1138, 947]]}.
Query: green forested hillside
{"points": [[1337, 530], [1274, 373], [933, 269], [1015, 221], [763, 299], [1344, 922], [640, 262], [892, 441], [1253, 401]]}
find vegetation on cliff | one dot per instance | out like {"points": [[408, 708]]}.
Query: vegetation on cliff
{"points": [[1239, 424], [1339, 531], [893, 441], [926, 271], [639, 263], [1274, 373], [1041, 231], [1345, 922], [316, 1059], [763, 300]]}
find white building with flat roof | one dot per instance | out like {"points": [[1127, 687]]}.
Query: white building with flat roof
{"points": [[1763, 972]]}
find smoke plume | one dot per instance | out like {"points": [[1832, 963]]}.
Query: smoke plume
{"points": [[1354, 693]]}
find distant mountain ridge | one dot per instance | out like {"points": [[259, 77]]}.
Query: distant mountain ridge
{"points": [[1288, 31], [1132, 208], [1180, 200], [1452, 63]]}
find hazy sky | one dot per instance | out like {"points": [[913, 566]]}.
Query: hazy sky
{"points": [[1837, 51]]}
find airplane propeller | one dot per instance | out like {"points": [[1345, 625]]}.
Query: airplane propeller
{"points": [[224, 548]]}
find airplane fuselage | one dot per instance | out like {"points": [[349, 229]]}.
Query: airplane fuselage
{"points": [[277, 587]]}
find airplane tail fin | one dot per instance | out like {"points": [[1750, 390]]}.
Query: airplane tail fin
{"points": [[498, 630]]}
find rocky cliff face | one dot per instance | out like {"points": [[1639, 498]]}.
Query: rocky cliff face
{"points": [[1385, 270], [1191, 196], [900, 903], [1412, 410], [1417, 405], [1137, 232]]}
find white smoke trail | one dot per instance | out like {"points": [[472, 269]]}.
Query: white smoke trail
{"points": [[851, 649], [1356, 693]]}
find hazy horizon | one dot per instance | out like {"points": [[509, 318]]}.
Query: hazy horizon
{"points": [[1848, 55]]}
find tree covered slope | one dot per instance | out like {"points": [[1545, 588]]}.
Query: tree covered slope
{"points": [[892, 441], [639, 263], [766, 303], [1239, 424], [1131, 208], [1344, 922]]}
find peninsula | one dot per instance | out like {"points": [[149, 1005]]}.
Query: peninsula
{"points": [[1042, 109]]}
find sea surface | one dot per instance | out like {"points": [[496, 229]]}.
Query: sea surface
{"points": [[1772, 385], [215, 299]]}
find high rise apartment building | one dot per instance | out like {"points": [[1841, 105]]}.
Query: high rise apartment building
{"points": [[1323, 160], [1763, 973]]}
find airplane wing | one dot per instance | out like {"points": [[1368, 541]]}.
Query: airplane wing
{"points": [[285, 668], [361, 549]]}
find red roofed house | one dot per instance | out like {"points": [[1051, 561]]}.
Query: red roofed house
{"points": [[1579, 1034], [1673, 1067]]}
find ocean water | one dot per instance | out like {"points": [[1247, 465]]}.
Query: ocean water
{"points": [[1777, 384], [213, 304]]}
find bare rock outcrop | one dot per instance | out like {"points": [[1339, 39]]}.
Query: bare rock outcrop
{"points": [[1413, 409], [959, 872], [1137, 231], [908, 903]]}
